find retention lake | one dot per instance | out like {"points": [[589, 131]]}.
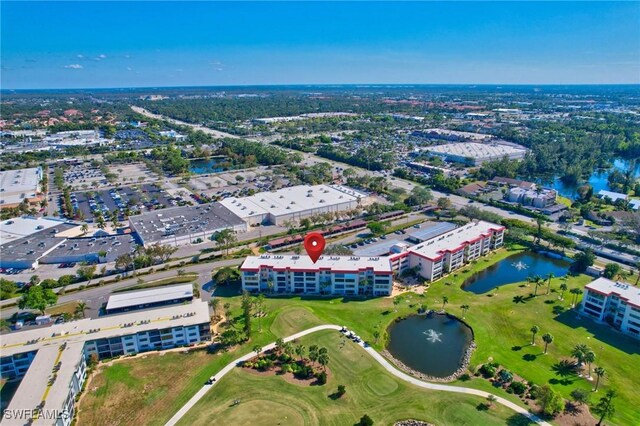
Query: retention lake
{"points": [[433, 345], [201, 167], [514, 269]]}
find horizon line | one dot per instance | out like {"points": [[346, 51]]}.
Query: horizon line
{"points": [[363, 85]]}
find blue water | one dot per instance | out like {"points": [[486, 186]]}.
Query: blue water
{"points": [[598, 180], [201, 167], [506, 271]]}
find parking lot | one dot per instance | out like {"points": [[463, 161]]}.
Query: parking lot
{"points": [[133, 173], [83, 176], [135, 199]]}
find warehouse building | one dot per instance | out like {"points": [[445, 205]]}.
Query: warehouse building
{"points": [[18, 186], [295, 203], [57, 355], [183, 225], [474, 153], [614, 303]]}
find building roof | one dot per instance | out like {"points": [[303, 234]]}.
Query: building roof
{"points": [[349, 264], [35, 245], [436, 247], [196, 221], [155, 295], [19, 227], [290, 200], [608, 287], [431, 230], [16, 185], [107, 326], [477, 151], [613, 196], [380, 248]]}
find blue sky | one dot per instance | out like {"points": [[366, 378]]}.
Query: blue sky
{"points": [[131, 44]]}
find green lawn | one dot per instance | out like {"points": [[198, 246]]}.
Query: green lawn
{"points": [[501, 331], [370, 390]]}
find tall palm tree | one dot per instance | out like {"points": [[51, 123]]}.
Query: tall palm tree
{"points": [[547, 338], [445, 300], [549, 277], [589, 358], [638, 271], [300, 351], [575, 292], [563, 288], [538, 281], [464, 308], [600, 372], [579, 352], [81, 307], [84, 228], [534, 330]]}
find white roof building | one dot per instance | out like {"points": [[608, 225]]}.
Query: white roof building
{"points": [[18, 185], [613, 196], [132, 299], [294, 203], [20, 227], [334, 264], [476, 153]]}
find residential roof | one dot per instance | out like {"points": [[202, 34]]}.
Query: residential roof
{"points": [[436, 247], [293, 199], [608, 287], [305, 264], [107, 326], [143, 297], [613, 196]]}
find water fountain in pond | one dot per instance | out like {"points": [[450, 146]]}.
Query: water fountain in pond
{"points": [[520, 266], [433, 336]]}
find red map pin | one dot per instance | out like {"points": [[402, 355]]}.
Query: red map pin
{"points": [[314, 245]]}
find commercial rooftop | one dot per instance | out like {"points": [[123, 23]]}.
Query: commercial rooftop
{"points": [[17, 185], [304, 263], [478, 151], [104, 327], [623, 290], [24, 252], [148, 297], [380, 248], [19, 227], [179, 222], [435, 247], [293, 199], [113, 246]]}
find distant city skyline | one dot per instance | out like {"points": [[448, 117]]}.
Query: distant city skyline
{"points": [[69, 45]]}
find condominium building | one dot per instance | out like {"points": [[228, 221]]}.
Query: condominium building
{"points": [[51, 361], [341, 275], [359, 275], [447, 252], [614, 303]]}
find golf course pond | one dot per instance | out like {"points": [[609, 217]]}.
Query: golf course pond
{"points": [[436, 346], [515, 269]]}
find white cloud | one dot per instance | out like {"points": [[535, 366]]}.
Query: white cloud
{"points": [[218, 69], [129, 69], [80, 56], [74, 66], [102, 56]]}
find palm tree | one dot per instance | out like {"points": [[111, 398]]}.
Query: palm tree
{"points": [[257, 349], [575, 292], [323, 359], [300, 351], [313, 353], [534, 330], [81, 307], [538, 281], [600, 372], [445, 300], [215, 304], [563, 288], [589, 358], [579, 353], [547, 338], [638, 271], [84, 228], [549, 277], [464, 308]]}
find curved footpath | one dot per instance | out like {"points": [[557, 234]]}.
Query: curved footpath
{"points": [[388, 366]]}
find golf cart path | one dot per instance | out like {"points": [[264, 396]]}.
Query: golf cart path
{"points": [[375, 355]]}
